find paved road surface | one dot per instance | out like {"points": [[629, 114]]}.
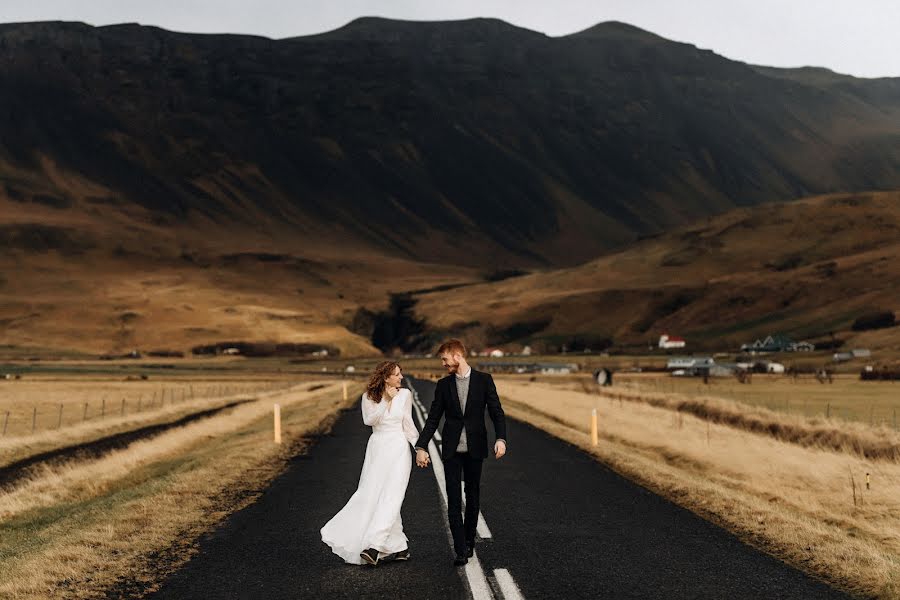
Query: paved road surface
{"points": [[561, 525]]}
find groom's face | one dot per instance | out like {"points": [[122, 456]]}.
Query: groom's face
{"points": [[450, 362]]}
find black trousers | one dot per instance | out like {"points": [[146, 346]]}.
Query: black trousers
{"points": [[462, 467]]}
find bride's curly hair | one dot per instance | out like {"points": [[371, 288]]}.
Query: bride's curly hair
{"points": [[375, 388]]}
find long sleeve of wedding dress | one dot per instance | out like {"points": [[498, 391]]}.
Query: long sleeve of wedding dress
{"points": [[409, 428], [372, 413]]}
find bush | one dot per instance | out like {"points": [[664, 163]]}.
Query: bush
{"points": [[875, 320]]}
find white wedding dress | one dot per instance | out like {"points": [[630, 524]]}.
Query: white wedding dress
{"points": [[371, 518]]}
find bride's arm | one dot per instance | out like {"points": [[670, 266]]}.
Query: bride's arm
{"points": [[409, 428], [372, 412]]}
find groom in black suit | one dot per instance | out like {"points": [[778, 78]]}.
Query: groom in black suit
{"points": [[461, 398]]}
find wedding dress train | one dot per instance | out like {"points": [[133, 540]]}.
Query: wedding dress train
{"points": [[371, 518]]}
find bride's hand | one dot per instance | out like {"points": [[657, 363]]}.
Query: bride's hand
{"points": [[392, 391]]}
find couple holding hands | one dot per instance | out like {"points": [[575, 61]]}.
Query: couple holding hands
{"points": [[369, 530]]}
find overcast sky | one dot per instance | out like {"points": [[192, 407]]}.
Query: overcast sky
{"points": [[859, 38]]}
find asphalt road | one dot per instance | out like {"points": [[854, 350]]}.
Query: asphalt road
{"points": [[561, 525]]}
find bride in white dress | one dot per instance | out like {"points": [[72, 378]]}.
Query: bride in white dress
{"points": [[369, 529]]}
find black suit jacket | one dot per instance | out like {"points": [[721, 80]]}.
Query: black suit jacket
{"points": [[482, 395]]}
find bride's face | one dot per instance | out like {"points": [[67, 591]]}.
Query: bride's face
{"points": [[395, 378]]}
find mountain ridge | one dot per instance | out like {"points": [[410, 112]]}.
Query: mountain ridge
{"points": [[530, 150]]}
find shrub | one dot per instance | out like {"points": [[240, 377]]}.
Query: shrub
{"points": [[875, 320]]}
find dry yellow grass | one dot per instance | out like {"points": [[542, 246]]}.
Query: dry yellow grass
{"points": [[75, 530], [795, 502], [848, 398], [103, 397], [128, 281], [819, 430], [145, 404]]}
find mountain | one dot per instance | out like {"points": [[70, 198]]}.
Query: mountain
{"points": [[418, 139], [808, 269], [163, 190]]}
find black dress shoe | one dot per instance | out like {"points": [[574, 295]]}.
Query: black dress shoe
{"points": [[470, 550], [460, 560], [402, 555], [370, 556]]}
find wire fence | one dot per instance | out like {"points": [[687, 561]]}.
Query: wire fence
{"points": [[27, 418], [875, 403]]}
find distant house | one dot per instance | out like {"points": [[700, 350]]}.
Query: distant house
{"points": [[699, 366], [777, 343], [231, 351], [544, 368], [774, 367], [842, 356], [504, 367], [526, 351], [861, 353], [671, 341], [556, 368], [495, 353], [690, 362]]}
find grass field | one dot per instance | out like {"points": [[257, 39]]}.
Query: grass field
{"points": [[51, 404], [848, 398], [75, 529], [831, 513]]}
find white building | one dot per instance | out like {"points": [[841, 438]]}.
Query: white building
{"points": [[690, 362], [670, 341], [556, 369]]}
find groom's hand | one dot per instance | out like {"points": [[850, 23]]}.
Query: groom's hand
{"points": [[421, 458], [499, 449]]}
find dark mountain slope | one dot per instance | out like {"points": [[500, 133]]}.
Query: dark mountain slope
{"points": [[418, 138]]}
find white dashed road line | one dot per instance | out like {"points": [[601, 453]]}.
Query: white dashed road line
{"points": [[478, 583], [507, 586]]}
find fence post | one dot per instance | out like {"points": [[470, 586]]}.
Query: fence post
{"points": [[5, 422], [59, 421], [123, 408], [33, 419], [594, 426], [84, 416], [139, 403], [103, 408], [277, 423]]}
